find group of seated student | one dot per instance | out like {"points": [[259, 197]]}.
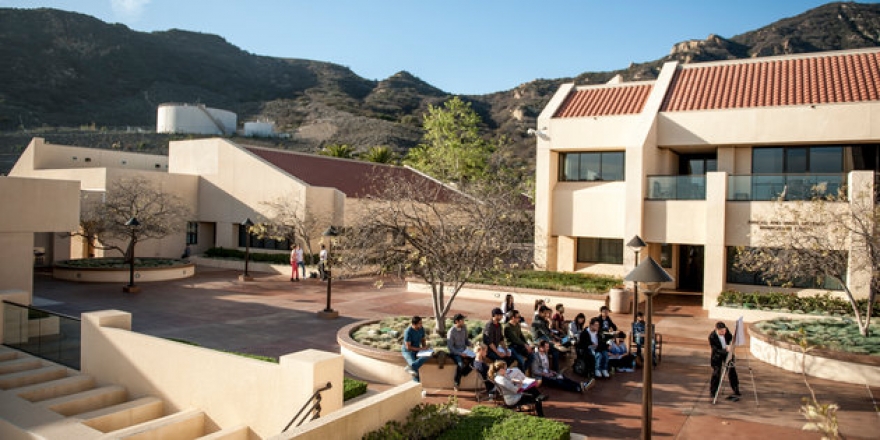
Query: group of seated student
{"points": [[606, 344]]}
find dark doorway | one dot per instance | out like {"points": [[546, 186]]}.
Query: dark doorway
{"points": [[690, 268]]}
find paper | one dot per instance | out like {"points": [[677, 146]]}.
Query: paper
{"points": [[425, 353], [527, 383], [469, 353]]}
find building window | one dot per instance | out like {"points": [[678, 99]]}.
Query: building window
{"points": [[599, 250], [192, 233], [757, 278], [665, 256], [589, 167], [797, 160]]}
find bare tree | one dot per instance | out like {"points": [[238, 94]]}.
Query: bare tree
{"points": [[159, 213], [824, 237], [289, 219], [441, 235]]}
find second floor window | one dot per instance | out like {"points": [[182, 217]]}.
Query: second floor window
{"points": [[590, 167]]}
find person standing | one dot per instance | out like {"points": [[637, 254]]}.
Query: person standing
{"points": [[300, 261], [413, 342], [322, 262], [458, 343], [506, 307], [719, 341]]}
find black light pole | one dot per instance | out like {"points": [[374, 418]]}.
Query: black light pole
{"points": [[132, 224], [329, 313], [650, 273], [248, 224], [636, 244]]}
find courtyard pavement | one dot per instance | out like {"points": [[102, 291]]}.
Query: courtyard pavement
{"points": [[272, 316]]}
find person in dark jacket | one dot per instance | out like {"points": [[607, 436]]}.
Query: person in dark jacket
{"points": [[720, 340]]}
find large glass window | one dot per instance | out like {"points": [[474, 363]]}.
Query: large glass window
{"points": [[599, 250], [192, 233], [261, 243], [797, 160], [587, 167]]}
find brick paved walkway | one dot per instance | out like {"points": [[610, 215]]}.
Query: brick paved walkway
{"points": [[273, 316]]}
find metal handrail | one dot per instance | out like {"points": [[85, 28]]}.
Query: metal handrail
{"points": [[315, 410], [60, 315], [59, 342]]}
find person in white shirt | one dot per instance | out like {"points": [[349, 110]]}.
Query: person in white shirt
{"points": [[510, 389], [322, 263]]}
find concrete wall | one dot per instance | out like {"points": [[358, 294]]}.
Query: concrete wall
{"points": [[232, 390]]}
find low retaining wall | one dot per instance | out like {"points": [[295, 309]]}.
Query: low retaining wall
{"points": [[832, 365], [722, 313], [525, 299], [357, 419], [382, 366], [141, 274]]}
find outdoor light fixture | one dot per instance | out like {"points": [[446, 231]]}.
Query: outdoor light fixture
{"points": [[650, 273], [133, 224], [248, 224], [636, 244], [329, 313]]}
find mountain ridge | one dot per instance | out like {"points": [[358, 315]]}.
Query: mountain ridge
{"points": [[70, 69]]}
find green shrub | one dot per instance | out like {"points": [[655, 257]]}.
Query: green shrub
{"points": [[827, 333], [261, 257], [425, 421], [560, 281], [387, 334], [353, 388], [501, 423], [823, 303]]}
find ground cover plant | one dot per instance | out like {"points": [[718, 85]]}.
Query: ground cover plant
{"points": [[235, 254], [118, 263], [834, 334], [387, 334], [444, 422], [539, 279], [822, 304]]}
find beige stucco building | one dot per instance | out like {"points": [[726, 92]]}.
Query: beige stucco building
{"points": [[691, 160], [222, 182]]}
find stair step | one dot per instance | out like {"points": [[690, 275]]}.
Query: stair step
{"points": [[55, 388], [30, 377], [183, 425], [85, 401], [6, 355], [123, 415], [20, 364], [235, 433]]}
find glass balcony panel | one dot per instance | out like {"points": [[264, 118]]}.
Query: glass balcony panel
{"points": [[766, 187], [692, 187]]}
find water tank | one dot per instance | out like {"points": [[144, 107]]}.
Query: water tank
{"points": [[259, 129], [194, 119]]}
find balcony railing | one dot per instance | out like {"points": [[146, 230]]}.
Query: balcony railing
{"points": [[763, 187], [42, 333], [690, 187]]}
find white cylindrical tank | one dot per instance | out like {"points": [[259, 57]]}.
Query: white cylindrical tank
{"points": [[194, 119], [259, 129]]}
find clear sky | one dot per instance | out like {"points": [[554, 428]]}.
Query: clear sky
{"points": [[460, 46]]}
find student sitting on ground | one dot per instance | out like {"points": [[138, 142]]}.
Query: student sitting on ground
{"points": [[511, 389], [541, 370], [576, 327], [619, 356], [591, 339]]}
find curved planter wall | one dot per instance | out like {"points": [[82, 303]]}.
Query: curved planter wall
{"points": [[386, 367], [832, 365], [525, 298], [105, 275]]}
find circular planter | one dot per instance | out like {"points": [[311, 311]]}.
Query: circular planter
{"points": [[382, 366], [122, 274]]}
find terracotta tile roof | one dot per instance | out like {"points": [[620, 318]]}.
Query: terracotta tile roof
{"points": [[605, 101], [356, 179], [802, 80]]}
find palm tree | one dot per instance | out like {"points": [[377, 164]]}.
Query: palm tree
{"points": [[379, 154], [338, 150]]}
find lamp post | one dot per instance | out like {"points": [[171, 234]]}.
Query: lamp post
{"points": [[132, 224], [636, 244], [329, 313], [650, 273], [248, 224]]}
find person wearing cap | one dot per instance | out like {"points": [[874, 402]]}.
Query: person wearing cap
{"points": [[720, 340], [493, 337], [458, 343]]}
